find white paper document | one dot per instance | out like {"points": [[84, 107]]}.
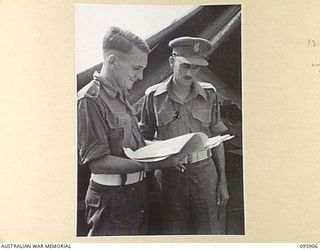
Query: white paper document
{"points": [[188, 143]]}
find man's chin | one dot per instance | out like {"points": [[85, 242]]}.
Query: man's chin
{"points": [[129, 85]]}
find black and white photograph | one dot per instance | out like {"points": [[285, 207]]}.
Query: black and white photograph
{"points": [[137, 123], [159, 120]]}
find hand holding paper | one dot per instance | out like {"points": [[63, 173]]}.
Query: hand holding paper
{"points": [[184, 145]]}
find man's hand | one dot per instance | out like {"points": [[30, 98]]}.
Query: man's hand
{"points": [[222, 194], [171, 161], [180, 167]]}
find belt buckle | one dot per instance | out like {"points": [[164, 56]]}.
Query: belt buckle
{"points": [[198, 156], [135, 177]]}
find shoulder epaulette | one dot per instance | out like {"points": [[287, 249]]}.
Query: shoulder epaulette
{"points": [[152, 88], [207, 85], [91, 90]]}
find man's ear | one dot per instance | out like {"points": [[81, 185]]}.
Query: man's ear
{"points": [[111, 61], [171, 61]]}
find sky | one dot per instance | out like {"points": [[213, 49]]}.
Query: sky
{"points": [[91, 22]]}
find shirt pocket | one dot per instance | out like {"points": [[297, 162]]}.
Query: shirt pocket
{"points": [[169, 124], [120, 131], [203, 116], [119, 120], [165, 117]]}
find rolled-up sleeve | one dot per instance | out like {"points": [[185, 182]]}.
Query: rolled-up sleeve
{"points": [[92, 131], [147, 123]]}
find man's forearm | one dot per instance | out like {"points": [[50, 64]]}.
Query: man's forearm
{"points": [[219, 160], [111, 164]]}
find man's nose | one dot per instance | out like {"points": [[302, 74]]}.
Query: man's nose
{"points": [[189, 72]]}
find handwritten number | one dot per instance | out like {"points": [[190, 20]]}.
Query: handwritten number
{"points": [[176, 115], [312, 43]]}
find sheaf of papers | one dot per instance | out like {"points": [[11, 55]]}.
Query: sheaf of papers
{"points": [[186, 144], [215, 141]]}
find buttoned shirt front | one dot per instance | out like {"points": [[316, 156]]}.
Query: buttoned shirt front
{"points": [[106, 121], [164, 116]]}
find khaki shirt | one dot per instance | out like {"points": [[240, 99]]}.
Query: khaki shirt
{"points": [[106, 121], [163, 116]]}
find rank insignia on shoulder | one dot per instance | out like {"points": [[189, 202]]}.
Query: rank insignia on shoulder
{"points": [[91, 90], [94, 89]]}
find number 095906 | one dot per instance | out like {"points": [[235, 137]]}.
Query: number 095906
{"points": [[308, 245]]}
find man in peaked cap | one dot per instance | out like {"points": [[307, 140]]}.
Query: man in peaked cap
{"points": [[190, 198], [116, 197]]}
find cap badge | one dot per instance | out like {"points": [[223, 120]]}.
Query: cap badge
{"points": [[196, 47]]}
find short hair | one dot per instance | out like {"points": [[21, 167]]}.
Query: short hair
{"points": [[123, 41]]}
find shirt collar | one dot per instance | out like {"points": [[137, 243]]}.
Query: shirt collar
{"points": [[163, 87], [196, 88], [199, 90], [110, 88]]}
